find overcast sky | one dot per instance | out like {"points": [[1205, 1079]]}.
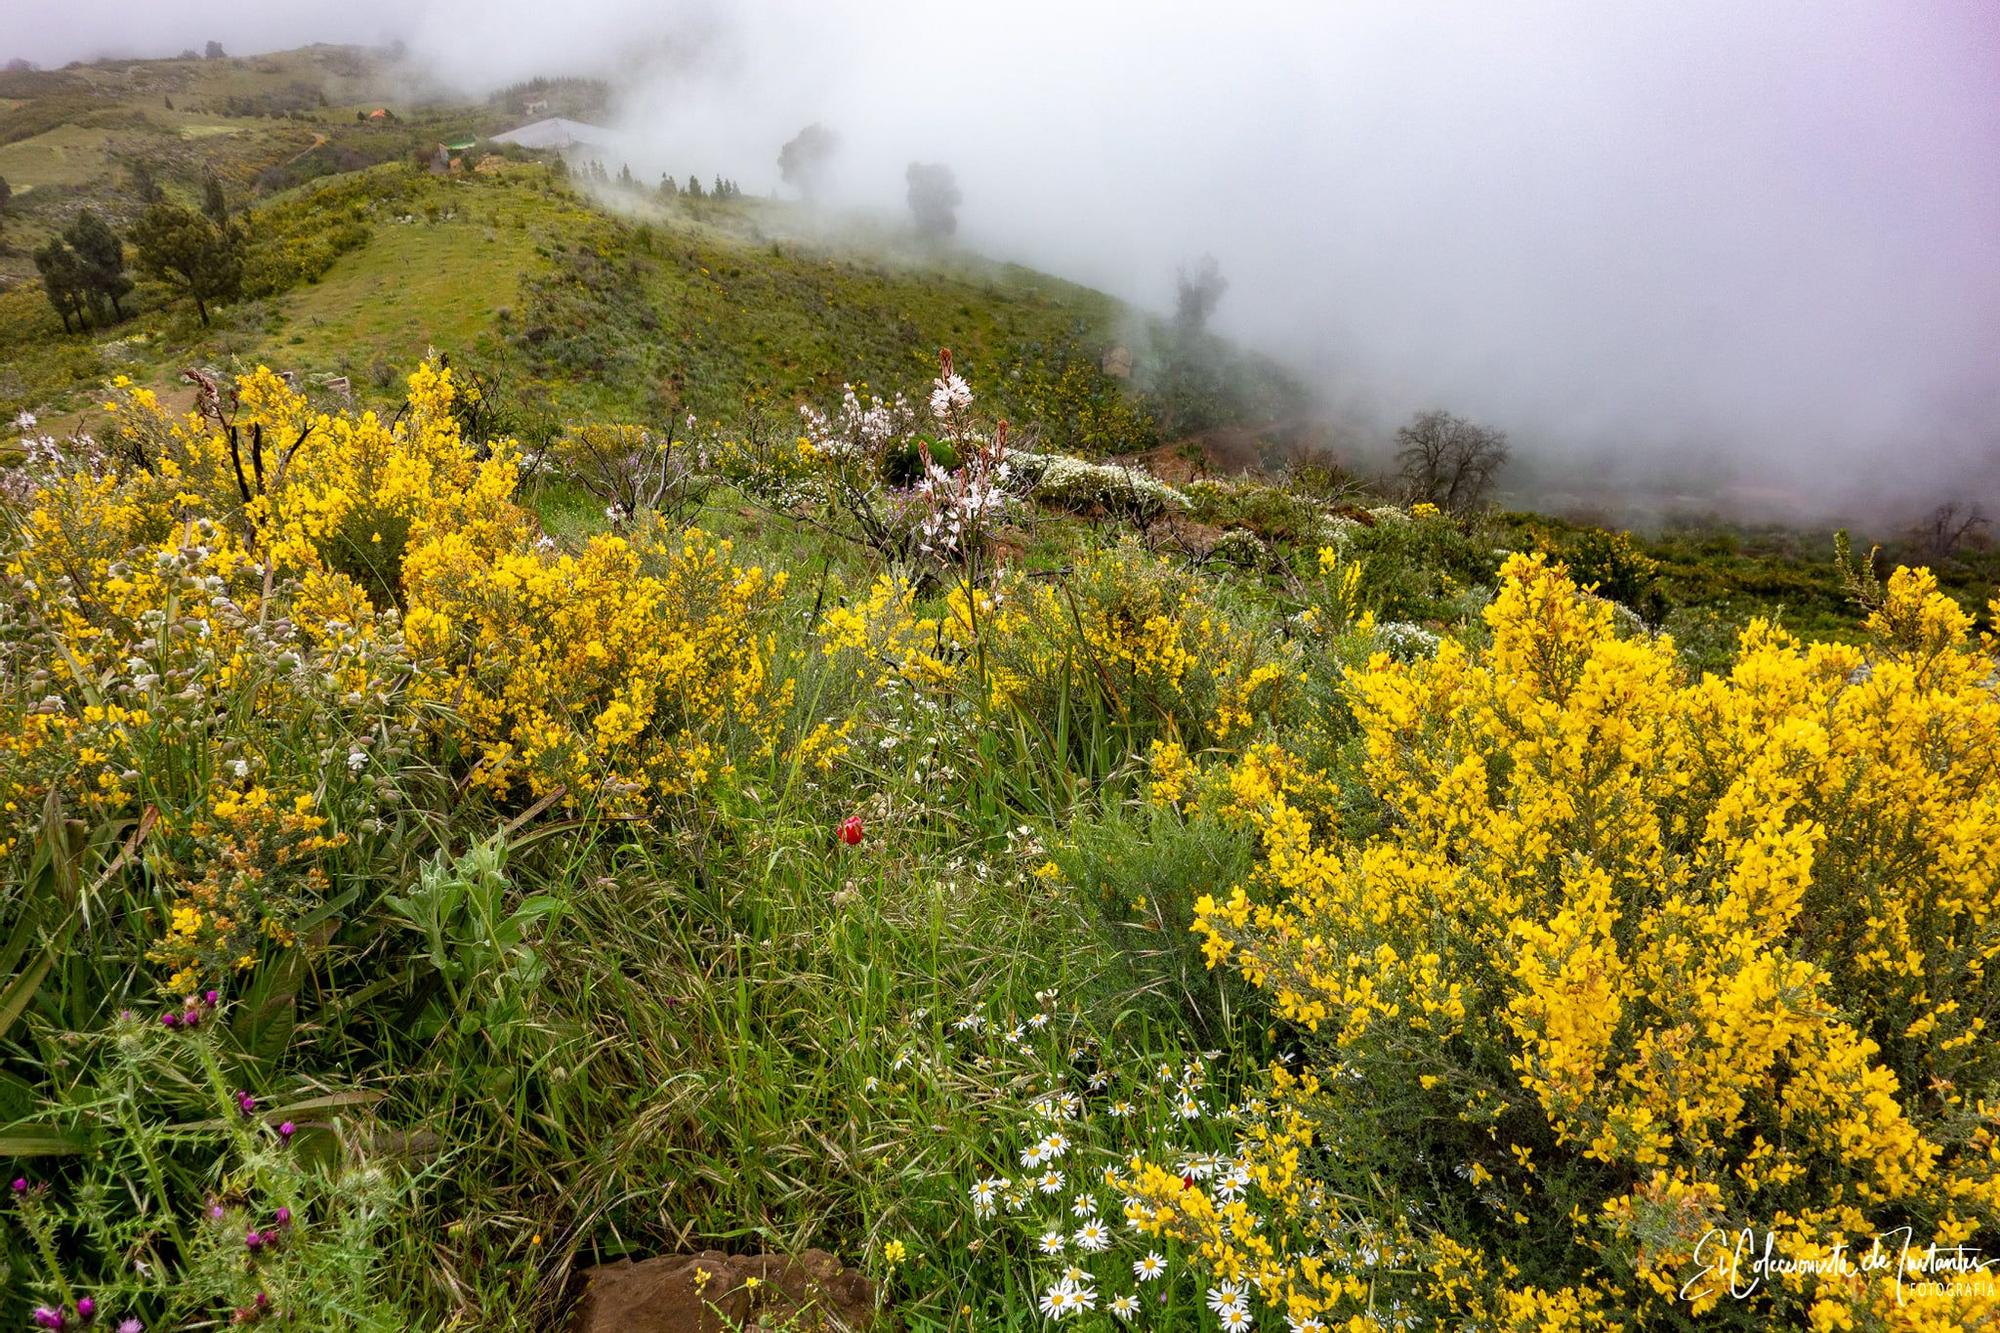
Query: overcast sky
{"points": [[1765, 235]]}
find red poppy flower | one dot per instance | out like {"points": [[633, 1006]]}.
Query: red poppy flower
{"points": [[850, 830]]}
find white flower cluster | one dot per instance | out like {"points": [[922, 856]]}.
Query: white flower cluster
{"points": [[1079, 485], [1404, 641], [857, 429], [44, 457], [961, 503], [1337, 529], [950, 396]]}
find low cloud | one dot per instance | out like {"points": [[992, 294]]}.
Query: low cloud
{"points": [[1754, 249]]}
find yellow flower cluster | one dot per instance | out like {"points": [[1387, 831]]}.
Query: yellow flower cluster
{"points": [[255, 863], [1648, 956], [618, 675], [887, 638]]}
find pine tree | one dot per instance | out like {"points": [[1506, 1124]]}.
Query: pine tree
{"points": [[143, 183], [102, 258], [694, 187], [185, 250], [62, 279], [213, 202]]}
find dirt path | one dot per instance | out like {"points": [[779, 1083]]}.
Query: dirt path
{"points": [[318, 139]]}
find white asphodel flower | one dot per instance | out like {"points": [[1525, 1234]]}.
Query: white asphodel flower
{"points": [[950, 394]]}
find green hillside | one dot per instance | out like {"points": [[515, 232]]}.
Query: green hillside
{"points": [[576, 297]]}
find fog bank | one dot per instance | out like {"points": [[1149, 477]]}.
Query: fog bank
{"points": [[1691, 243]]}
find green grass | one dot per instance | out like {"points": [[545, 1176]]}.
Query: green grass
{"points": [[419, 284], [68, 155]]}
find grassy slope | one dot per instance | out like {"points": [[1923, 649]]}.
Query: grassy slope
{"points": [[435, 280], [716, 309], [726, 307]]}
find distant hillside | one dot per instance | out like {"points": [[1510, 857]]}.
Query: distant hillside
{"points": [[575, 298]]}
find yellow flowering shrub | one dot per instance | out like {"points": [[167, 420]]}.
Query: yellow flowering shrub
{"points": [[248, 620], [1637, 962], [620, 674]]}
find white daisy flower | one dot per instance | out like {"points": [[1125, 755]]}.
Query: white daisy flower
{"points": [[1084, 1205], [1235, 1319], [985, 1193], [1125, 1306], [1150, 1268], [1093, 1236], [1051, 1182], [1052, 1242], [1224, 1297]]}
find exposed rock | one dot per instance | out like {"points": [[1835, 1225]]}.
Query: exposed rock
{"points": [[670, 1295]]}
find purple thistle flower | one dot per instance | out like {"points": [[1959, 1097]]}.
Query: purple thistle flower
{"points": [[131, 1326], [20, 1185], [86, 1308], [286, 1130], [284, 1216], [171, 1020], [46, 1318], [254, 1239], [209, 998], [245, 1103]]}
